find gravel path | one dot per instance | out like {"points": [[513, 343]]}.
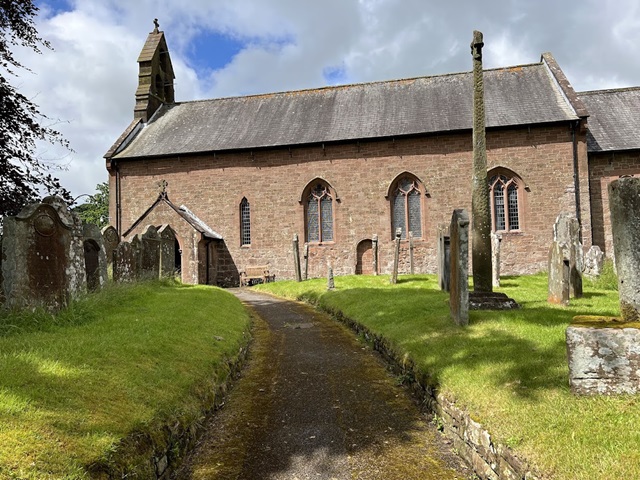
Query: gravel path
{"points": [[315, 403]]}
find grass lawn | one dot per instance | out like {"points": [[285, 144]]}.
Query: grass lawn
{"points": [[125, 361], [507, 369]]}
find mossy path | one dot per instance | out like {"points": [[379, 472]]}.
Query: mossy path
{"points": [[314, 402]]}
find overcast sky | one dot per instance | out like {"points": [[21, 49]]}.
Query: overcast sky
{"points": [[219, 48]]}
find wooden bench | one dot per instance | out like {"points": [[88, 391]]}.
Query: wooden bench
{"points": [[252, 274]]}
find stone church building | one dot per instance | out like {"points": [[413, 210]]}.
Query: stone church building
{"points": [[340, 166]]}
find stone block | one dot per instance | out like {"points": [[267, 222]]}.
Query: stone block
{"points": [[95, 257], [593, 261], [167, 251], [150, 254], [443, 252], [603, 360], [566, 232], [558, 275], [111, 239]]}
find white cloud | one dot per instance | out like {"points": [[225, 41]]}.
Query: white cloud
{"points": [[90, 78]]}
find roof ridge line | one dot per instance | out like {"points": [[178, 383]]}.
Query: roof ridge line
{"points": [[609, 90]]}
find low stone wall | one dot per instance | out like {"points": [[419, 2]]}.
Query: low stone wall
{"points": [[155, 454], [489, 460]]}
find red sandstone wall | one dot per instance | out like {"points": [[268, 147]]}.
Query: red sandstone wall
{"points": [[603, 169], [273, 181]]}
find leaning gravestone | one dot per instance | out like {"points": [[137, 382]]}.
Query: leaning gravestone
{"points": [[42, 251], [459, 280], [95, 257], [111, 240], [150, 260], [604, 353], [167, 251], [566, 231]]}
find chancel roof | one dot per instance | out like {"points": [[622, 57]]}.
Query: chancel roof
{"points": [[522, 95], [614, 122]]}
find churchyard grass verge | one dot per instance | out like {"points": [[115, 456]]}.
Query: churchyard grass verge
{"points": [[507, 369], [124, 361]]}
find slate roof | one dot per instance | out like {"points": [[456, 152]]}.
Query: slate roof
{"points": [[522, 95], [614, 122]]}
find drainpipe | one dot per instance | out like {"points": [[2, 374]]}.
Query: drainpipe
{"points": [[576, 179], [118, 219]]}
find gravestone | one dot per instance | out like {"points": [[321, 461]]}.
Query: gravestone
{"points": [[150, 266], [1, 277], [330, 281], [566, 232], [167, 251], [42, 252], [95, 257], [411, 269], [111, 240], [624, 205], [593, 260], [459, 281], [443, 251], [496, 239], [136, 249], [559, 273], [124, 263], [396, 256], [305, 256]]}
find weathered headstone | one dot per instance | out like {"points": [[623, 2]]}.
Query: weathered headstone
{"points": [[111, 240], [150, 253], [167, 251], [43, 257], [459, 281], [330, 281], [125, 263], [566, 231], [95, 257], [1, 276], [296, 257], [593, 261], [480, 204], [443, 251], [496, 239], [136, 252], [559, 271], [624, 205], [374, 247], [396, 256]]}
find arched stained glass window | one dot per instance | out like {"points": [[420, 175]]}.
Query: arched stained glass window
{"points": [[319, 214], [245, 222], [505, 202], [407, 207]]}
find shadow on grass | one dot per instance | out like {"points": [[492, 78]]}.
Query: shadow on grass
{"points": [[522, 349]]}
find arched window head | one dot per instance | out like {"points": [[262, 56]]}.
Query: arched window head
{"points": [[505, 190], [319, 213], [406, 206], [245, 222]]}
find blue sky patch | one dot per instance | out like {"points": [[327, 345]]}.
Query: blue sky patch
{"points": [[213, 50], [55, 6], [335, 75]]}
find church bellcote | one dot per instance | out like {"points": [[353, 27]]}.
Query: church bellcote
{"points": [[155, 80]]}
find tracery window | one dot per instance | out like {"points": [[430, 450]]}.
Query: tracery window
{"points": [[319, 214], [406, 207], [245, 222], [505, 194]]}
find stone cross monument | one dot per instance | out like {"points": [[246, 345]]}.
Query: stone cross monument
{"points": [[480, 209]]}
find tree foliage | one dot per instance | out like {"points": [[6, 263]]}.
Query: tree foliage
{"points": [[96, 209], [23, 176]]}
